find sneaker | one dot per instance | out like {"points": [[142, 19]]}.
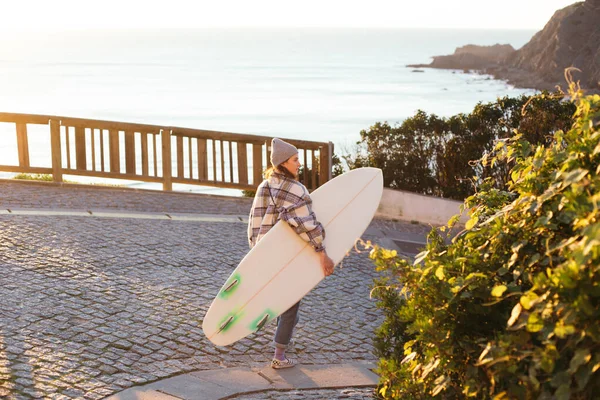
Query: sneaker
{"points": [[278, 364]]}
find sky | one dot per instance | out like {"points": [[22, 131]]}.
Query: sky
{"points": [[33, 15]]}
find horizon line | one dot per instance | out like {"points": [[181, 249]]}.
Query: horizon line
{"points": [[253, 27]]}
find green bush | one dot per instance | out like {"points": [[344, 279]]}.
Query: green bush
{"points": [[510, 308], [431, 155], [34, 177]]}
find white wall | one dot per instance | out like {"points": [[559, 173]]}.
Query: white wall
{"points": [[409, 206]]}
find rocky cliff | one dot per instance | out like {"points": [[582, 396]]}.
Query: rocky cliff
{"points": [[570, 39]]}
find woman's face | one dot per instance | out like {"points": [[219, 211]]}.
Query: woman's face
{"points": [[293, 165]]}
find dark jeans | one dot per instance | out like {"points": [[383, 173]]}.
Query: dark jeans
{"points": [[285, 326]]}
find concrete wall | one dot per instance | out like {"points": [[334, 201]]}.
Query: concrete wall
{"points": [[407, 206]]}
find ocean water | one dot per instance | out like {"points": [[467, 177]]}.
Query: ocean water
{"points": [[312, 84]]}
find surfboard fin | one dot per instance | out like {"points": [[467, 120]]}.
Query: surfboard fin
{"points": [[225, 324], [231, 285], [262, 322]]}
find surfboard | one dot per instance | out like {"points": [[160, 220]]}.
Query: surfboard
{"points": [[282, 268]]}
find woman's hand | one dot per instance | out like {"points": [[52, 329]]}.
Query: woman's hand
{"points": [[326, 263]]}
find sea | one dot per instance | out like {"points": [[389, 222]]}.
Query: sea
{"points": [[310, 83]]}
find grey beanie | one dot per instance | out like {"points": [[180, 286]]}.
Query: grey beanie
{"points": [[281, 151]]}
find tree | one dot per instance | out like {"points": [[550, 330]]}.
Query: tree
{"points": [[438, 156]]}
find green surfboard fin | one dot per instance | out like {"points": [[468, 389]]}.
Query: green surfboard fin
{"points": [[230, 286]]}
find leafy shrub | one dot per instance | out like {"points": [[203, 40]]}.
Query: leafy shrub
{"points": [[431, 155], [34, 177], [510, 308]]}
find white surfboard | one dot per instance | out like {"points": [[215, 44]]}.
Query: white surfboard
{"points": [[282, 268]]}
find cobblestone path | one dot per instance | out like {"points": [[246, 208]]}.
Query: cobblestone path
{"points": [[94, 306]]}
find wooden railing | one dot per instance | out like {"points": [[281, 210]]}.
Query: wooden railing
{"points": [[154, 153]]}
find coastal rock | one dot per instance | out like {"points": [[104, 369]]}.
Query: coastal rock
{"points": [[571, 38], [471, 57]]}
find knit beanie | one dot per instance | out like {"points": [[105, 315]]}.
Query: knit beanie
{"points": [[281, 151]]}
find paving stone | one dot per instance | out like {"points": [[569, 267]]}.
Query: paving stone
{"points": [[108, 369], [122, 344], [73, 393], [32, 393], [58, 396]]}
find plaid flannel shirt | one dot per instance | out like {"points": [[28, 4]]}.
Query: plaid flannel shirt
{"points": [[294, 206]]}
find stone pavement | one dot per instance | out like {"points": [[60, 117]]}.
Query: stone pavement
{"points": [[94, 304]]}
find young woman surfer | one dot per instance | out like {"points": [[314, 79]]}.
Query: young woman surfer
{"points": [[282, 197]]}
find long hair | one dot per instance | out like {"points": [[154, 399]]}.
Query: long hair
{"points": [[279, 169]]}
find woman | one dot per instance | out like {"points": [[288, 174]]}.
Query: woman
{"points": [[281, 196]]}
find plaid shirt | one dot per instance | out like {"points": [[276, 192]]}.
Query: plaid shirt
{"points": [[294, 206]]}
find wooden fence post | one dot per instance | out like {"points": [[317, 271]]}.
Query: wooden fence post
{"points": [[179, 156], [315, 165], [144, 139], [165, 138], [325, 155], [242, 154], [330, 162], [80, 145], [22, 145], [257, 164], [130, 152], [56, 150], [202, 160], [113, 145]]}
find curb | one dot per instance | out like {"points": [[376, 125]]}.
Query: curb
{"points": [[125, 189], [232, 382], [187, 217]]}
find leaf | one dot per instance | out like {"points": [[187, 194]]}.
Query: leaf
{"points": [[473, 275], [442, 383], [471, 223], [499, 290], [541, 221], [485, 351], [425, 272], [387, 254], [408, 345], [383, 391], [420, 257], [514, 175], [534, 323], [430, 367], [514, 315], [597, 149], [562, 330], [582, 376], [574, 176], [501, 396], [528, 300], [582, 356], [559, 379], [547, 363], [535, 258], [563, 393], [439, 273], [533, 377], [409, 357]]}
